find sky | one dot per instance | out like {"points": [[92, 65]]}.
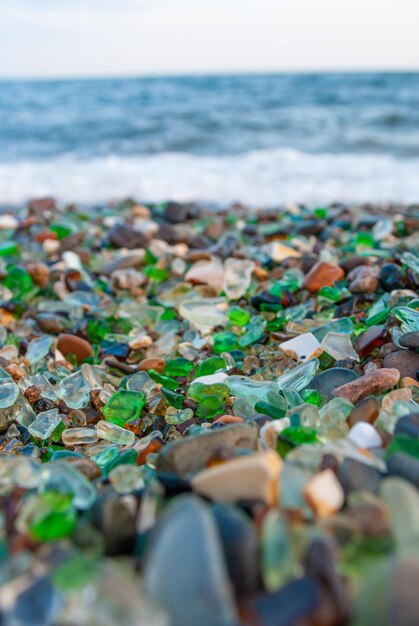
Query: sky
{"points": [[77, 38]]}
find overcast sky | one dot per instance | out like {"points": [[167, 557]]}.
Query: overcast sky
{"points": [[54, 38]]}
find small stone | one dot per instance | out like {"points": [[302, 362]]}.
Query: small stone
{"points": [[280, 252], [72, 344], [188, 456], [366, 410], [409, 425], [324, 493], [327, 381], [363, 279], [405, 466], [320, 563], [409, 382], [296, 603], [404, 597], [125, 236], [389, 400], [354, 476], [249, 477], [322, 275], [370, 514], [303, 347], [176, 213], [8, 222], [364, 435], [241, 547], [39, 273], [374, 383], [406, 361], [203, 571], [410, 340], [152, 363], [85, 466], [391, 277]]}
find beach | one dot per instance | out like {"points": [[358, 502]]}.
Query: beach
{"points": [[209, 414]]}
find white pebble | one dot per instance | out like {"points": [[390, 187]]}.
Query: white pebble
{"points": [[364, 435]]}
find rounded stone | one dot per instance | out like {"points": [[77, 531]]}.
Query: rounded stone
{"points": [[240, 545], [406, 361], [410, 340], [374, 383], [365, 411], [391, 277], [153, 363], [327, 381], [322, 275], [408, 425], [72, 344]]}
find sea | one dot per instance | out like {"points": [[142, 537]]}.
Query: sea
{"points": [[263, 140]]}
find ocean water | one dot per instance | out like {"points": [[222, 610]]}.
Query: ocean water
{"points": [[264, 140]]}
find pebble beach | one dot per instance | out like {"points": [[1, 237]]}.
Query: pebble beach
{"points": [[209, 417]]}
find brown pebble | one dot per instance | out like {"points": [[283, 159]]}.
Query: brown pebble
{"points": [[72, 344], [406, 361], [260, 273], [370, 514], [322, 275], [387, 348], [349, 264], [229, 419], [16, 371], [86, 466], [39, 272], [409, 382], [363, 279], [32, 394], [153, 447], [153, 363], [374, 383], [365, 411]]}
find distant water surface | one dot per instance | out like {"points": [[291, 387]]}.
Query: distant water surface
{"points": [[261, 139]]}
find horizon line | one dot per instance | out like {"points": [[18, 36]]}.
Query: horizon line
{"points": [[203, 74]]}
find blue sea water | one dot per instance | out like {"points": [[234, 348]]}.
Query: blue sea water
{"points": [[262, 139]]}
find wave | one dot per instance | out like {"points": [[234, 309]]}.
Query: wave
{"points": [[259, 178]]}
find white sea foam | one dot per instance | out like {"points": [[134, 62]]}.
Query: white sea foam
{"points": [[265, 177]]}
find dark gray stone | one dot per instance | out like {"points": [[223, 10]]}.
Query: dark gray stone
{"points": [[185, 571], [241, 547], [293, 604], [37, 605], [125, 236], [176, 212], [189, 455], [408, 425], [406, 361], [410, 340], [354, 476], [327, 381], [404, 465]]}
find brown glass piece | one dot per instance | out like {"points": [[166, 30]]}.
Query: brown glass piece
{"points": [[371, 339]]}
